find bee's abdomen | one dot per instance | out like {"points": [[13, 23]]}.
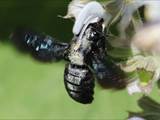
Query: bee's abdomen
{"points": [[79, 83]]}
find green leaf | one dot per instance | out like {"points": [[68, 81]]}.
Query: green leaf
{"points": [[151, 109], [149, 105]]}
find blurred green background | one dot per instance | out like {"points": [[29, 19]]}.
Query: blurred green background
{"points": [[40, 15], [33, 90]]}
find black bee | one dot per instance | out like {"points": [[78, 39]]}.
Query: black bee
{"points": [[87, 60]]}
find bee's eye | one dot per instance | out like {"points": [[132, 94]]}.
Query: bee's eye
{"points": [[93, 36]]}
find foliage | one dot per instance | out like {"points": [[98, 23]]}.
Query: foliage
{"points": [[150, 109]]}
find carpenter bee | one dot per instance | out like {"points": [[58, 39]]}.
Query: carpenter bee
{"points": [[86, 56]]}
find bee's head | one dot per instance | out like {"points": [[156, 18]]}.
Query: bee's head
{"points": [[96, 31]]}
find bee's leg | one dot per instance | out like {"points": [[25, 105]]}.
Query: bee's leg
{"points": [[108, 74], [42, 47]]}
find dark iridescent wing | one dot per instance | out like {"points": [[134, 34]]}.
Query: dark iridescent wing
{"points": [[108, 74], [41, 46]]}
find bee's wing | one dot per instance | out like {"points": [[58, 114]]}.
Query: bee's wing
{"points": [[108, 74], [41, 46]]}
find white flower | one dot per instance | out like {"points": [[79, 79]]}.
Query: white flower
{"points": [[136, 118], [133, 87], [90, 12], [147, 39], [152, 10], [86, 11], [75, 7]]}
